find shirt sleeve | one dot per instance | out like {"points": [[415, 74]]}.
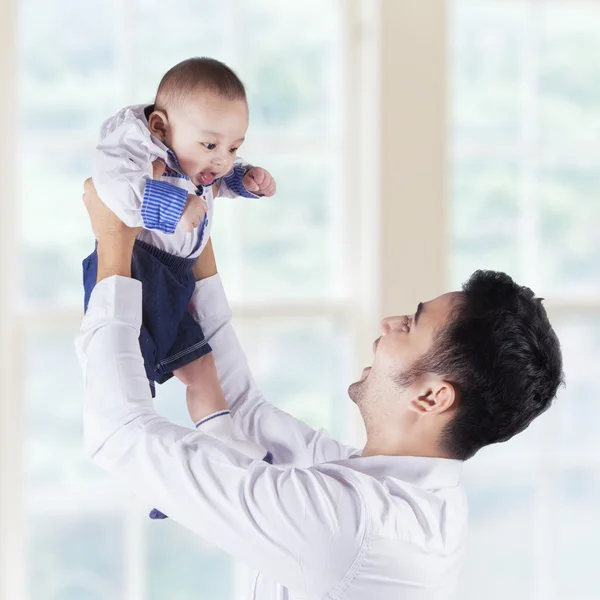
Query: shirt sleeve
{"points": [[231, 186], [303, 528], [122, 174], [290, 440]]}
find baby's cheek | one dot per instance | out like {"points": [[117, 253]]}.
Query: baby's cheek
{"points": [[229, 164], [190, 165]]}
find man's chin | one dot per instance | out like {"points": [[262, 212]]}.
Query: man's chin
{"points": [[355, 391]]}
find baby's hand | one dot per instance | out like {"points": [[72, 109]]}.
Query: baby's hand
{"points": [[193, 213], [259, 181]]}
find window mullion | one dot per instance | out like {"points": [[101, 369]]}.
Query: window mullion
{"points": [[530, 238], [135, 552], [12, 535]]}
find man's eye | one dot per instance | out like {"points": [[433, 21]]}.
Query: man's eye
{"points": [[233, 150], [209, 146]]}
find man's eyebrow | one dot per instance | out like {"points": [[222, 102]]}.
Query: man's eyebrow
{"points": [[418, 313]]}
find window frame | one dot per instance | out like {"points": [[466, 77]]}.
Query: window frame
{"points": [[20, 319]]}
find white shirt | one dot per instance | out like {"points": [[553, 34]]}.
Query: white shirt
{"points": [[122, 175], [320, 523]]}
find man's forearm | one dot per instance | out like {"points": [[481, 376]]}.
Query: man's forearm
{"points": [[206, 265], [114, 258]]}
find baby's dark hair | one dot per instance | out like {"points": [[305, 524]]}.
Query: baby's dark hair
{"points": [[198, 73]]}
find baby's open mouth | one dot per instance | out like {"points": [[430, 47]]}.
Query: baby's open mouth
{"points": [[207, 177]]}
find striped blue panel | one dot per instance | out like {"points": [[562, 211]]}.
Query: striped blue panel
{"points": [[234, 182], [163, 205]]}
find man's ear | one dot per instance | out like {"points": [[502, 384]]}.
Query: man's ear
{"points": [[433, 397], [158, 124]]}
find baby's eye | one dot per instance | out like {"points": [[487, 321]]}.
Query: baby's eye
{"points": [[209, 146], [233, 150]]}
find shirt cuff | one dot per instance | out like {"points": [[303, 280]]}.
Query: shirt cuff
{"points": [[213, 416], [233, 180], [163, 205], [222, 427], [209, 299], [116, 298]]}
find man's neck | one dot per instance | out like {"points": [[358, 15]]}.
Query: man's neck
{"points": [[378, 446]]}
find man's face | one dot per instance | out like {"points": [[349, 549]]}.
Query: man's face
{"points": [[205, 133], [404, 340]]}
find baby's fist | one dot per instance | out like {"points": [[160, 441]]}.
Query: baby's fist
{"points": [[193, 213], [259, 181]]}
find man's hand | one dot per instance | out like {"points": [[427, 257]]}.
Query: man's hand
{"points": [[259, 181], [115, 239], [107, 227]]}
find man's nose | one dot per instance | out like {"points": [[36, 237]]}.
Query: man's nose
{"points": [[390, 323], [385, 326]]}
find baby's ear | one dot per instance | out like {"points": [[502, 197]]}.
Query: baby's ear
{"points": [[158, 124]]}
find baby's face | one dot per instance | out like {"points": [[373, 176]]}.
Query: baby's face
{"points": [[205, 133]]}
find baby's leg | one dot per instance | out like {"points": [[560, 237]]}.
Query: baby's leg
{"points": [[204, 394]]}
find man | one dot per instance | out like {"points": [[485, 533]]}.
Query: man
{"points": [[325, 521]]}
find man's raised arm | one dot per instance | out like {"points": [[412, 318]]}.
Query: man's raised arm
{"points": [[289, 440]]}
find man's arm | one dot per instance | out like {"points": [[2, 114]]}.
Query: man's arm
{"points": [[289, 440], [304, 528]]}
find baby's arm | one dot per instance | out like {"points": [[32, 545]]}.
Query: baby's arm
{"points": [[246, 181], [122, 174]]}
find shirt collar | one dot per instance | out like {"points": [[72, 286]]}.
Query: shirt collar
{"points": [[422, 471]]}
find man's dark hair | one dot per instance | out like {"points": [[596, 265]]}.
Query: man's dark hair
{"points": [[198, 73], [503, 358]]}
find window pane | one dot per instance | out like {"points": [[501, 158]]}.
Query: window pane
{"points": [[281, 248], [577, 405], [546, 239], [75, 556], [500, 561], [55, 231], [302, 365], [484, 213], [192, 27], [54, 395], [180, 565], [291, 64], [570, 222], [487, 44], [71, 86], [570, 71], [577, 535]]}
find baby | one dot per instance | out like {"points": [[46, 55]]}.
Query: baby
{"points": [[196, 126]]}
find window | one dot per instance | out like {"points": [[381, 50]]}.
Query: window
{"points": [[523, 156], [282, 259], [525, 178]]}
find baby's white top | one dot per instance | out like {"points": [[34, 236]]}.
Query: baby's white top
{"points": [[122, 174]]}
